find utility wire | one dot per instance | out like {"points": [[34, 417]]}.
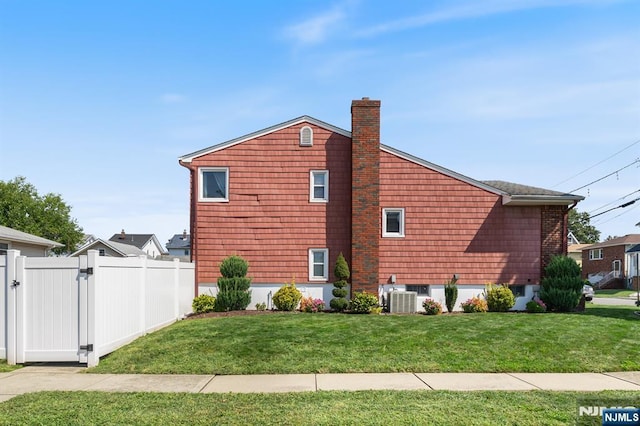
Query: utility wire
{"points": [[597, 164], [614, 201], [616, 216], [637, 160], [621, 206]]}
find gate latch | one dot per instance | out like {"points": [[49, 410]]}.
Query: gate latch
{"points": [[88, 271], [15, 283], [88, 348]]}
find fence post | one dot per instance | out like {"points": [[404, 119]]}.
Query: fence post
{"points": [[93, 357], [143, 295], [176, 288], [12, 308]]}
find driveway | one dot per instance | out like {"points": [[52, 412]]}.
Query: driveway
{"points": [[626, 301]]}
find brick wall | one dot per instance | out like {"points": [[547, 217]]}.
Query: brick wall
{"points": [[609, 254], [365, 189], [553, 233]]}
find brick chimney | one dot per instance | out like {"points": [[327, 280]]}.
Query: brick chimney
{"points": [[365, 194]]}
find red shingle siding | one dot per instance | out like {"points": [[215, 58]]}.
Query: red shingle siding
{"points": [[365, 216], [453, 227], [269, 219]]}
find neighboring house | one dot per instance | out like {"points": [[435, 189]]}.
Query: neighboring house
{"points": [[571, 239], [608, 264], [180, 245], [110, 249], [633, 255], [148, 243], [28, 244], [574, 251], [291, 197]]}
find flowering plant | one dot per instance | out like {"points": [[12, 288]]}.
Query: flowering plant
{"points": [[309, 304], [431, 307], [475, 304], [536, 306]]}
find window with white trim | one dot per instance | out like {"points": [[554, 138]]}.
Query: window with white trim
{"points": [[214, 184], [102, 252], [319, 186], [393, 222], [595, 254], [318, 264], [3, 248], [422, 290], [306, 136]]}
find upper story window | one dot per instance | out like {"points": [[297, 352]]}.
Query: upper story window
{"points": [[102, 252], [318, 264], [214, 184], [393, 222], [595, 254], [306, 136], [319, 186], [3, 248]]}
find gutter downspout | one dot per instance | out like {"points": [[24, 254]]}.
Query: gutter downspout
{"points": [[192, 219]]}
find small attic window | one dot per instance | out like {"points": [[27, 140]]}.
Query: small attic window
{"points": [[306, 136]]}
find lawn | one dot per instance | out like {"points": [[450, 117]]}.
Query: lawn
{"points": [[615, 293], [604, 338], [318, 408], [4, 367]]}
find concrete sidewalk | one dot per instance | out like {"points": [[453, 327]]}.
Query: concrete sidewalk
{"points": [[65, 378]]}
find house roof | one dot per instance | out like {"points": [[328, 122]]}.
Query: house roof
{"points": [[138, 240], [11, 234], [619, 241], [512, 193], [577, 248], [120, 248], [178, 242]]}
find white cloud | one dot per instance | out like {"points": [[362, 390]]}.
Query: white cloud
{"points": [[317, 29]]}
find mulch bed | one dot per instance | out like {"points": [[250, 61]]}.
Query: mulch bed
{"points": [[232, 314]]}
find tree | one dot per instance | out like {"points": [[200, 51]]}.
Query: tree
{"points": [[47, 216], [339, 302], [233, 286], [580, 226], [561, 286]]}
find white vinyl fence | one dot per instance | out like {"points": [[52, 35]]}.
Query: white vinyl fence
{"points": [[78, 309]]}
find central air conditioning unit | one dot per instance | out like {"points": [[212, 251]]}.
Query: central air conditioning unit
{"points": [[403, 302]]}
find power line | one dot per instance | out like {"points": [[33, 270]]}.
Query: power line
{"points": [[617, 216], [616, 200], [597, 164], [621, 206], [637, 160]]}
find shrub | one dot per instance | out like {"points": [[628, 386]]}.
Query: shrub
{"points": [[287, 297], [500, 298], [431, 307], [261, 306], [233, 286], [311, 305], [451, 294], [475, 304], [203, 303], [363, 302], [536, 306], [561, 287], [341, 272]]}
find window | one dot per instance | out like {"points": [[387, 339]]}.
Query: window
{"points": [[306, 136], [595, 254], [101, 252], [422, 290], [318, 261], [393, 222], [3, 248], [517, 290], [186, 252], [319, 186], [214, 184]]}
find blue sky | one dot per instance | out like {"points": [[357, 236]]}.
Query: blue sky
{"points": [[99, 99]]}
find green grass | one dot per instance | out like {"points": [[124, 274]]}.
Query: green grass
{"points": [[615, 293], [5, 368], [317, 408], [604, 338]]}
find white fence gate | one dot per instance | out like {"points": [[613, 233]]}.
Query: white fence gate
{"points": [[81, 308]]}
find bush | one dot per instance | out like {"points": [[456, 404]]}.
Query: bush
{"points": [[261, 306], [363, 303], [431, 307], [561, 287], [451, 294], [233, 286], [500, 298], [536, 306], [341, 272], [203, 303], [287, 297], [311, 305], [475, 304]]}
